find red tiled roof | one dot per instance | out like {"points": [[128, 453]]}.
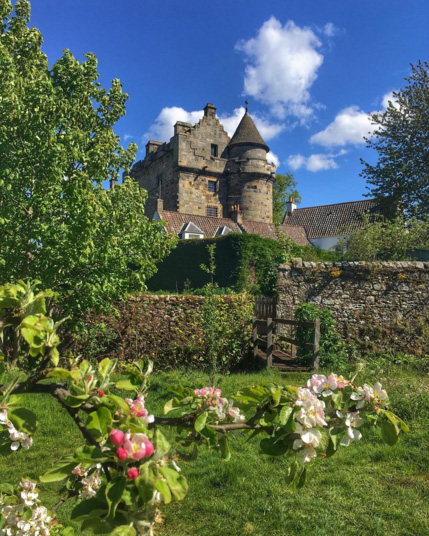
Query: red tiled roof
{"points": [[332, 220], [209, 226], [175, 222], [268, 230]]}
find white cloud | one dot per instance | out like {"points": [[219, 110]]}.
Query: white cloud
{"points": [[281, 66], [330, 30], [163, 128], [128, 137], [266, 129], [273, 158], [349, 127], [389, 97], [314, 162]]}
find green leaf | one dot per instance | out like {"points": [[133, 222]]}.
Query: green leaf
{"points": [[89, 454], [145, 486], [293, 468], [7, 488], [23, 419], [200, 422], [55, 356], [163, 488], [272, 447], [58, 472], [114, 490], [75, 401], [118, 402], [176, 482], [126, 385], [93, 425], [106, 366], [105, 419], [62, 373], [302, 478], [88, 507], [284, 414], [209, 434], [396, 421], [224, 447], [125, 530], [162, 446], [389, 432]]}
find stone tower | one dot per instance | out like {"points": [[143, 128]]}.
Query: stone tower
{"points": [[250, 177], [202, 171]]}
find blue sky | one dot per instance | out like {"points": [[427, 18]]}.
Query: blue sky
{"points": [[311, 70]]}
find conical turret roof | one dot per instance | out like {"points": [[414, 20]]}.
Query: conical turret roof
{"points": [[247, 134]]}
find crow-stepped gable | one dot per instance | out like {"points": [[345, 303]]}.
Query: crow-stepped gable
{"points": [[202, 171]]}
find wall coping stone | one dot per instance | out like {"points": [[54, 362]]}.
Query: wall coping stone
{"points": [[299, 264]]}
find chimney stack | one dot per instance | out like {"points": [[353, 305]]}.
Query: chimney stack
{"points": [[159, 205], [290, 205]]}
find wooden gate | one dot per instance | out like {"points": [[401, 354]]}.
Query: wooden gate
{"points": [[265, 341], [265, 307]]}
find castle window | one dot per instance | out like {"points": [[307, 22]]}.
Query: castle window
{"points": [[211, 186], [211, 211], [213, 150]]}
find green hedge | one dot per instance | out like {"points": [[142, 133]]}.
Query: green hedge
{"points": [[243, 262]]}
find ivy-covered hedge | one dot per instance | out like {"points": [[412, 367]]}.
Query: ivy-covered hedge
{"points": [[243, 262]]}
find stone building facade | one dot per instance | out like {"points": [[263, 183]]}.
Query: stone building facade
{"points": [[202, 171]]}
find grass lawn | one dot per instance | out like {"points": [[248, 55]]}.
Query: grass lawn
{"points": [[366, 489]]}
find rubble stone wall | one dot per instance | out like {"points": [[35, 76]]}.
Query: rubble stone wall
{"points": [[377, 305]]}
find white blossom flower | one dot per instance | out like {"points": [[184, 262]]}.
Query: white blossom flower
{"points": [[351, 422]]}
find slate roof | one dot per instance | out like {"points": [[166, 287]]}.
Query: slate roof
{"points": [[268, 230], [247, 134], [332, 220], [176, 222]]}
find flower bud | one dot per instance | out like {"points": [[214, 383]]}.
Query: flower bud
{"points": [[133, 473], [149, 448], [101, 393], [117, 437], [121, 454]]}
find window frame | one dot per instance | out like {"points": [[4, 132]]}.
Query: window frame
{"points": [[214, 209]]}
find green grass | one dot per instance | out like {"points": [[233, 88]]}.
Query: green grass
{"points": [[365, 489]]}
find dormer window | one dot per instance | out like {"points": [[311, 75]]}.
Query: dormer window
{"points": [[213, 150], [211, 186], [191, 231]]}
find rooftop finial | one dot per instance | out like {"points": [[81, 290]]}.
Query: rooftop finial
{"points": [[246, 103]]}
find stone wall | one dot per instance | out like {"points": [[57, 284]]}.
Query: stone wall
{"points": [[166, 329], [378, 306]]}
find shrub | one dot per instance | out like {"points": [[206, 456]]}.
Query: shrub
{"points": [[334, 352]]}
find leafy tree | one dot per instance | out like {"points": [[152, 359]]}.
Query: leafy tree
{"points": [[57, 146], [284, 187], [383, 238], [401, 139]]}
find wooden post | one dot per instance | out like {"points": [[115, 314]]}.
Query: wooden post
{"points": [[255, 338], [316, 342], [269, 342]]}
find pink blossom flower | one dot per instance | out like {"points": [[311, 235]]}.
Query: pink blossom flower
{"points": [[133, 473], [235, 414], [137, 409], [137, 446], [117, 437]]}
